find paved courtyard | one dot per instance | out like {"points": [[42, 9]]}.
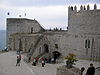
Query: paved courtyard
{"points": [[50, 69], [8, 66], [86, 64]]}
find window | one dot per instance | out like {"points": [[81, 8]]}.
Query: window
{"points": [[46, 48], [56, 46], [39, 50], [31, 29], [87, 43]]}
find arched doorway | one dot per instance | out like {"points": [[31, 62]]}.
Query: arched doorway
{"points": [[20, 45], [46, 48], [56, 54]]}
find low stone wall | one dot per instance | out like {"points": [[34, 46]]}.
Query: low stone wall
{"points": [[62, 70]]}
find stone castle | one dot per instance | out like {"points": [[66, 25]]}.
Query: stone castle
{"points": [[82, 37]]}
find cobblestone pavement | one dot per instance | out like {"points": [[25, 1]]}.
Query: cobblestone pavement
{"points": [[8, 65]]}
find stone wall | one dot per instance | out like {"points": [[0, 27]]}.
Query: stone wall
{"points": [[21, 25], [68, 43], [62, 70], [84, 25], [56, 41], [24, 41], [84, 21]]}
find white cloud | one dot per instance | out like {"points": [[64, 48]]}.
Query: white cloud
{"points": [[48, 17]]}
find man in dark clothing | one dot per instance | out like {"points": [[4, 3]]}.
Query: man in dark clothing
{"points": [[91, 70], [82, 69], [18, 60]]}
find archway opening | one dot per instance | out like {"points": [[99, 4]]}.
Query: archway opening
{"points": [[46, 48], [56, 54], [20, 45]]}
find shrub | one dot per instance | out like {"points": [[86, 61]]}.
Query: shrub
{"points": [[71, 59]]}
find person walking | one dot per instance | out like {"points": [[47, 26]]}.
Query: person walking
{"points": [[18, 60], [91, 70]]}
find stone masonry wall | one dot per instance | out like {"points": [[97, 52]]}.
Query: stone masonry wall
{"points": [[21, 25], [84, 21]]}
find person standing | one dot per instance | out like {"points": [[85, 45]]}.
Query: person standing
{"points": [[20, 57], [52, 60], [18, 60], [34, 62], [82, 69], [91, 70], [43, 63], [18, 51]]}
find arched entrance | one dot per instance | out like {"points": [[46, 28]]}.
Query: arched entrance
{"points": [[46, 48], [20, 45], [56, 54]]}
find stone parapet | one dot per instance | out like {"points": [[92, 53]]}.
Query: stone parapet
{"points": [[62, 70]]}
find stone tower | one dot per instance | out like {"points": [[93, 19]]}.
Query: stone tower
{"points": [[84, 27], [84, 20]]}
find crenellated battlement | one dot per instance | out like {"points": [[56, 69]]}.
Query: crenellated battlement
{"points": [[84, 20], [82, 8]]}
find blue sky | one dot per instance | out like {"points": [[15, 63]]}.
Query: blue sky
{"points": [[49, 13]]}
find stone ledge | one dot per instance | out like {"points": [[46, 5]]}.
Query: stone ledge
{"points": [[63, 70]]}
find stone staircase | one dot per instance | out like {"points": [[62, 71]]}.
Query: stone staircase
{"points": [[41, 55], [44, 54], [34, 47]]}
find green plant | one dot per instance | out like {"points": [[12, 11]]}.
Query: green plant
{"points": [[71, 59]]}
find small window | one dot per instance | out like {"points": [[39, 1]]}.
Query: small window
{"points": [[87, 43], [39, 50], [31, 29], [56, 46]]}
